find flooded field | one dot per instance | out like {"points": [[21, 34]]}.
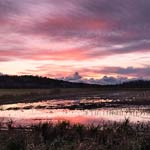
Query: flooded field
{"points": [[84, 111]]}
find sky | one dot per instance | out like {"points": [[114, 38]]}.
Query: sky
{"points": [[93, 41]]}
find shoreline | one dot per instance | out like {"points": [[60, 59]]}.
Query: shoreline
{"points": [[133, 97]]}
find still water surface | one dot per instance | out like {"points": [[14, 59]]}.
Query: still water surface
{"points": [[70, 110]]}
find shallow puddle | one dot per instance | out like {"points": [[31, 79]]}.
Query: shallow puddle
{"points": [[32, 113]]}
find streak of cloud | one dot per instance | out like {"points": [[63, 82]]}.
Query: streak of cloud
{"points": [[77, 31]]}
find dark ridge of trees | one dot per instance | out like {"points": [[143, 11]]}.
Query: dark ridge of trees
{"points": [[29, 81], [136, 84]]}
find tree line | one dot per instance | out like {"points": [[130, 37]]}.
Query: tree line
{"points": [[29, 81]]}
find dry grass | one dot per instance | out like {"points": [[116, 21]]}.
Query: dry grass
{"points": [[31, 95], [65, 136]]}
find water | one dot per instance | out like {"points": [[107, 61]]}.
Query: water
{"points": [[84, 111]]}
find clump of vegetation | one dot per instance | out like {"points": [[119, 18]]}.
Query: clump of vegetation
{"points": [[66, 136]]}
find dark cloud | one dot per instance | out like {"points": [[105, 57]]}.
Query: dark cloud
{"points": [[129, 71], [136, 73], [101, 23], [7, 7], [107, 80], [122, 73], [76, 77], [103, 81], [96, 29]]}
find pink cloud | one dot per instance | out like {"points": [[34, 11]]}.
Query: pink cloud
{"points": [[97, 30]]}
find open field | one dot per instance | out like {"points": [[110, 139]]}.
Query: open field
{"points": [[136, 96], [66, 136]]}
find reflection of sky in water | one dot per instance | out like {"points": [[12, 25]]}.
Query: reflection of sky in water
{"points": [[55, 103], [33, 115]]}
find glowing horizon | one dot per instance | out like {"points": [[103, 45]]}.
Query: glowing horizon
{"points": [[58, 38]]}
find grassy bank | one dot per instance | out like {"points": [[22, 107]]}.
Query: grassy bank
{"points": [[64, 136], [8, 96]]}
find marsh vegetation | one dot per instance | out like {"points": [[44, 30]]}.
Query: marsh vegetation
{"points": [[80, 106], [66, 136]]}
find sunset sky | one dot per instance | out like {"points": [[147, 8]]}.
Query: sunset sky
{"points": [[56, 38]]}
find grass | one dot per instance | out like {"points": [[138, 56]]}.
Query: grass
{"points": [[9, 96], [66, 136], [30, 95]]}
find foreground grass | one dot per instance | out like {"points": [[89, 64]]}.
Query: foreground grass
{"points": [[65, 136]]}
